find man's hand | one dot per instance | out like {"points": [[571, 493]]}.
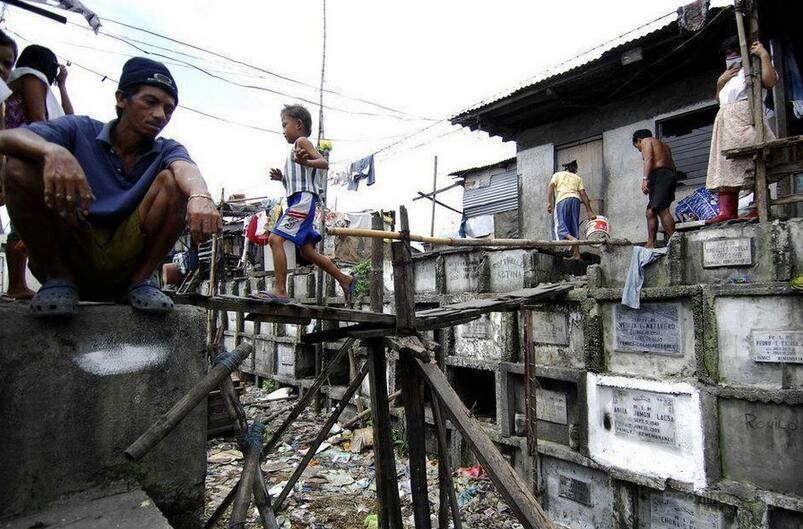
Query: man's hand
{"points": [[61, 77], [591, 215], [276, 174], [644, 187], [65, 183], [549, 208], [758, 49], [203, 218]]}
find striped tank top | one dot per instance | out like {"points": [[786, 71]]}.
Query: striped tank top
{"points": [[297, 177]]}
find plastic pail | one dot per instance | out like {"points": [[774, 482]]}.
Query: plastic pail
{"points": [[598, 228]]}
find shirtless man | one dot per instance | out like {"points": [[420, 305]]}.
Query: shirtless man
{"points": [[659, 183]]}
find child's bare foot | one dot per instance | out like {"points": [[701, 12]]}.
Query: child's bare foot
{"points": [[23, 293]]}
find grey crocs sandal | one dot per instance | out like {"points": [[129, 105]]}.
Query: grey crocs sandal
{"points": [[147, 297], [57, 297]]}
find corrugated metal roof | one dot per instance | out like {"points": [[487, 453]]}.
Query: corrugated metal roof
{"points": [[502, 194], [584, 59], [501, 163]]}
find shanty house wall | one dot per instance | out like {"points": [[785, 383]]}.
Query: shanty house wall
{"points": [[624, 204]]}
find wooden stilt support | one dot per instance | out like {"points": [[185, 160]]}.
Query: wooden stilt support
{"points": [[261, 495], [515, 492], [387, 485], [299, 407], [413, 395], [448, 498], [223, 367], [322, 436], [253, 443]]}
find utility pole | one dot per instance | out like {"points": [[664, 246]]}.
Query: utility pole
{"points": [[434, 191], [320, 291]]}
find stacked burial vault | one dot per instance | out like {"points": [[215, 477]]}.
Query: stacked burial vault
{"points": [[686, 413]]}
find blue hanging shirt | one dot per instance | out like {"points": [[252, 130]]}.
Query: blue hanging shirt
{"points": [[117, 193]]}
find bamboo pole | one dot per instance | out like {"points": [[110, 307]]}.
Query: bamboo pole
{"points": [[519, 243], [200, 391]]}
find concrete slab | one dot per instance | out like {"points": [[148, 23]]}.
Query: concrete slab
{"points": [[575, 496], [760, 341], [656, 340], [424, 274], [462, 271], [491, 337], [671, 510], [557, 334], [647, 427], [507, 269], [74, 394], [761, 444], [96, 510]]}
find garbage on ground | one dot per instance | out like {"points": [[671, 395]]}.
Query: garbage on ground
{"points": [[280, 394], [338, 488]]}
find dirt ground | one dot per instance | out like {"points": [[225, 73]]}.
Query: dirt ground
{"points": [[337, 490]]}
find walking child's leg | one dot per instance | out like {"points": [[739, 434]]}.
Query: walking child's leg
{"points": [[667, 221], [652, 229], [309, 253], [276, 243]]}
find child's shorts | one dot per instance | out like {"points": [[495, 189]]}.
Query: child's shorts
{"points": [[297, 223]]}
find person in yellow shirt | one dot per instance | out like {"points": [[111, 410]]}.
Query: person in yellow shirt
{"points": [[564, 195]]}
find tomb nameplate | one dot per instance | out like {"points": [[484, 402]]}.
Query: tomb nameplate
{"points": [[507, 271], [550, 406], [479, 329], [727, 252], [654, 328], [780, 347], [550, 328], [644, 416], [462, 273], [677, 513], [574, 489]]}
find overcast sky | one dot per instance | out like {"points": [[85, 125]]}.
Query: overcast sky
{"points": [[428, 59]]}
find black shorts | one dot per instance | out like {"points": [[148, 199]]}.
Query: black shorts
{"points": [[662, 183]]}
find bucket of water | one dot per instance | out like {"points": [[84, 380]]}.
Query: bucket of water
{"points": [[598, 229]]}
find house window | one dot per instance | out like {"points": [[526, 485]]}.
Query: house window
{"points": [[689, 137]]}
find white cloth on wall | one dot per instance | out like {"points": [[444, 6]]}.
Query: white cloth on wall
{"points": [[635, 274]]}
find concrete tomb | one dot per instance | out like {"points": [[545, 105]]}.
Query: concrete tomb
{"points": [[727, 252], [576, 496]]}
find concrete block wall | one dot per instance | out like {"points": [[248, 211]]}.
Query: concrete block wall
{"points": [[685, 413]]}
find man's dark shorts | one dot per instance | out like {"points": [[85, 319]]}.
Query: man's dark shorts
{"points": [[662, 183]]}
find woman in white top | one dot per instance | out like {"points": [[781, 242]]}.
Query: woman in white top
{"points": [[732, 128]]}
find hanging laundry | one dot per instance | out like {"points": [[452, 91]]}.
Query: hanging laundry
{"points": [[692, 17], [257, 229], [339, 176], [362, 169]]}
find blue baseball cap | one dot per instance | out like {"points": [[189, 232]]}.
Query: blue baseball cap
{"points": [[140, 70]]}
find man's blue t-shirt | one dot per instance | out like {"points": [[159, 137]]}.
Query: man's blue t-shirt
{"points": [[117, 193]]}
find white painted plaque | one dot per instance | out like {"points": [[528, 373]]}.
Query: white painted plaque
{"points": [[507, 270], [677, 513], [550, 328], [550, 406], [780, 347], [654, 328], [286, 360], [644, 415], [727, 252]]}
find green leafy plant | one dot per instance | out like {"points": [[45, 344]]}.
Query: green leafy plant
{"points": [[362, 271], [268, 384]]}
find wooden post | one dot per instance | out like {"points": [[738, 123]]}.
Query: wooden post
{"points": [[320, 291], [387, 485], [515, 492], [299, 406], [434, 196], [167, 422], [752, 73], [252, 441], [448, 498], [322, 436], [412, 388], [403, 281]]}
